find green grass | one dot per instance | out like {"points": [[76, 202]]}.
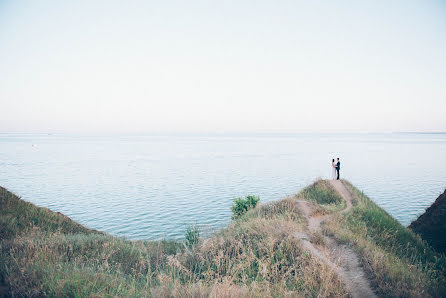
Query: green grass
{"points": [[192, 236], [401, 263], [18, 217], [322, 193]]}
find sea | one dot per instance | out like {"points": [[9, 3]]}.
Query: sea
{"points": [[152, 186]]}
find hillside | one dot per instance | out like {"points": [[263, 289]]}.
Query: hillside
{"points": [[329, 240], [431, 225]]}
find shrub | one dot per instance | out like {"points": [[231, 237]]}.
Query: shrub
{"points": [[192, 236], [241, 205]]}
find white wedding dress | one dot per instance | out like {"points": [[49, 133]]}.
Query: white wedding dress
{"points": [[333, 171]]}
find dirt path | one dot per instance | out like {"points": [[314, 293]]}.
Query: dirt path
{"points": [[340, 258]]}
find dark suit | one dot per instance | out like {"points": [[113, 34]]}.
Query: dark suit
{"points": [[338, 167]]}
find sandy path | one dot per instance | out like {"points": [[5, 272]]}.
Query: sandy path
{"points": [[340, 258]]}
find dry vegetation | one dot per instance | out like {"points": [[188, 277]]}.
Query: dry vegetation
{"points": [[46, 254], [43, 253]]}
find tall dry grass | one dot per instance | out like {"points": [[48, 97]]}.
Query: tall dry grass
{"points": [[46, 254], [257, 255]]}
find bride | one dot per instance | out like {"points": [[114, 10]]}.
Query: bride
{"points": [[333, 169]]}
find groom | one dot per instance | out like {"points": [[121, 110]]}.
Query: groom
{"points": [[338, 167]]}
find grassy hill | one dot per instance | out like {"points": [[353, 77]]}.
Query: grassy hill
{"points": [[43, 253]]}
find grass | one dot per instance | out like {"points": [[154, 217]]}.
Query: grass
{"points": [[322, 193], [46, 254], [402, 265], [192, 236], [18, 217], [43, 253]]}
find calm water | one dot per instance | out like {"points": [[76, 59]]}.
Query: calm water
{"points": [[149, 187]]}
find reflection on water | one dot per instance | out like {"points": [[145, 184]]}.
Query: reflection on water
{"points": [[149, 187]]}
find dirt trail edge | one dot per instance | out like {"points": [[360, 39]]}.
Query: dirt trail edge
{"points": [[339, 257]]}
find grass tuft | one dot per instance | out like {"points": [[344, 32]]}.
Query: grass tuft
{"points": [[192, 236], [322, 193]]}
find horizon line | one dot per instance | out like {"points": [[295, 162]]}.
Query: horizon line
{"points": [[260, 132]]}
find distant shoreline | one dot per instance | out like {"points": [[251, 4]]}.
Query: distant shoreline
{"points": [[218, 133], [421, 133]]}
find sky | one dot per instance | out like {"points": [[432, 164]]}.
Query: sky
{"points": [[222, 66]]}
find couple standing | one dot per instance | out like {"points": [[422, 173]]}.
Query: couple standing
{"points": [[335, 171]]}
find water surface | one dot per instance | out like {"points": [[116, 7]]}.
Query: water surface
{"points": [[150, 186]]}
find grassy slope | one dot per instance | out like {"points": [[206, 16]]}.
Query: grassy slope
{"points": [[44, 253], [19, 218], [401, 264]]}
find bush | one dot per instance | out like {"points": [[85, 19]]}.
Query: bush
{"points": [[192, 236], [240, 205]]}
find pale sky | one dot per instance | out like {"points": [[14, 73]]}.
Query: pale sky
{"points": [[222, 66]]}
